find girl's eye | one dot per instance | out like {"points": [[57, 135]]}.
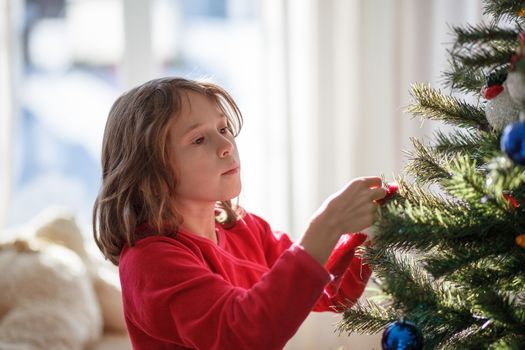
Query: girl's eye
{"points": [[198, 141], [224, 130]]}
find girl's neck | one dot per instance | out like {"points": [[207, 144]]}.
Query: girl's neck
{"points": [[199, 219]]}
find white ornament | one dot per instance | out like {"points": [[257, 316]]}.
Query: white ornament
{"points": [[502, 110], [516, 86]]}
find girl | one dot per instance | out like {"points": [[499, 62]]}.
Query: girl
{"points": [[196, 271]]}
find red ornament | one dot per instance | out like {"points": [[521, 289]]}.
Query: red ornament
{"points": [[489, 92], [391, 189], [511, 200]]}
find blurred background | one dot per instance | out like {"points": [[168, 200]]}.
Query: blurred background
{"points": [[322, 84]]}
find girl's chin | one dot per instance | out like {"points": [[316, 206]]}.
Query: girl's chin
{"points": [[232, 195]]}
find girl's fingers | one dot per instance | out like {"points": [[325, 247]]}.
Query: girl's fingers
{"points": [[378, 193], [372, 181]]}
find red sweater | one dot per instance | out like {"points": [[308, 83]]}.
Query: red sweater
{"points": [[252, 290]]}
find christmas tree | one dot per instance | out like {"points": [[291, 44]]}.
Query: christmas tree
{"points": [[449, 246]]}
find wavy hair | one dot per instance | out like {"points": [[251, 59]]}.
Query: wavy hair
{"points": [[138, 183]]}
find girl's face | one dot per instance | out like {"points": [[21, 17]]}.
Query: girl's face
{"points": [[204, 155]]}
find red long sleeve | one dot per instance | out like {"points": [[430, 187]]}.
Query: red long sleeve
{"points": [[349, 275], [250, 291]]}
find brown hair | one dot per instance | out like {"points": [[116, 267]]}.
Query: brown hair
{"points": [[137, 181]]}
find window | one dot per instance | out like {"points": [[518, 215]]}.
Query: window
{"points": [[74, 57]]}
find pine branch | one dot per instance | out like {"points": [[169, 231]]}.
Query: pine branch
{"points": [[464, 79], [398, 230], [509, 342], [488, 56], [488, 146], [416, 219], [368, 318], [486, 330], [411, 287], [499, 271], [421, 228], [496, 307], [421, 220], [483, 33], [414, 194], [474, 337], [477, 338], [429, 163], [433, 105], [403, 279], [503, 9], [447, 259], [466, 182], [469, 184], [508, 176], [435, 307], [426, 165], [458, 142], [471, 79]]}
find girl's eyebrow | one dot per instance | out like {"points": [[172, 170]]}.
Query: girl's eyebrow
{"points": [[191, 128], [198, 125]]}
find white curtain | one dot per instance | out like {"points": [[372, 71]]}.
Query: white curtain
{"points": [[10, 71], [338, 78]]}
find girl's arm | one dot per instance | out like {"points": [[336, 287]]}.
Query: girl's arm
{"points": [[352, 209], [349, 274]]}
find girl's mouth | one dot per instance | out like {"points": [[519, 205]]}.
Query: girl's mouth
{"points": [[232, 171]]}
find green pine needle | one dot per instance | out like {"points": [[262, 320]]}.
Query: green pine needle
{"points": [[487, 56], [367, 318], [466, 182], [425, 164], [503, 9], [458, 142], [464, 79], [433, 105], [448, 259], [484, 33]]}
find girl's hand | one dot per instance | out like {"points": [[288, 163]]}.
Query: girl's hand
{"points": [[353, 208]]}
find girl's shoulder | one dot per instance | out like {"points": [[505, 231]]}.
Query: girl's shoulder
{"points": [[251, 221], [250, 228], [150, 246]]}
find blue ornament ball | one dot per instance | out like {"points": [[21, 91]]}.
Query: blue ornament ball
{"points": [[402, 335], [513, 142]]}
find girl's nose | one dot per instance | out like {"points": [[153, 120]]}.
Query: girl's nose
{"points": [[226, 148]]}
